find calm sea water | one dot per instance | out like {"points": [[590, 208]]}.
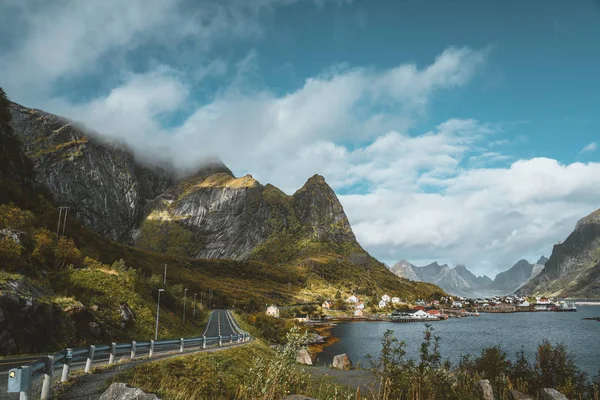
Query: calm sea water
{"points": [[470, 335]]}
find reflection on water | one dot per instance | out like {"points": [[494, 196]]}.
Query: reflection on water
{"points": [[472, 334]]}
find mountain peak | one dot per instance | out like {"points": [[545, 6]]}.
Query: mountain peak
{"points": [[542, 260]]}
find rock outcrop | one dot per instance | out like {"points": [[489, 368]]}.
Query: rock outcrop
{"points": [[303, 357], [483, 389], [341, 361], [122, 391], [573, 269]]}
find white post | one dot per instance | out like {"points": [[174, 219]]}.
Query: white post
{"points": [[66, 366], [230, 339], [113, 353], [133, 345], [181, 345], [90, 359], [220, 340], [203, 342], [151, 349], [48, 373]]}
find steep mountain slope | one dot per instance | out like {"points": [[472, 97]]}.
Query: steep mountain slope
{"points": [[573, 269], [102, 183]]}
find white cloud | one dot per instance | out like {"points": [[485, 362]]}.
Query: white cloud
{"points": [[590, 148]]}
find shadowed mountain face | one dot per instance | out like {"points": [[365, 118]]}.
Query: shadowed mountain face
{"points": [[461, 281], [573, 269]]}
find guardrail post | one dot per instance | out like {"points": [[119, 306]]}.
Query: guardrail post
{"points": [[220, 340], [151, 353], [67, 366], [113, 353], [90, 359], [48, 373], [133, 346], [181, 345], [230, 339], [203, 342], [26, 394]]}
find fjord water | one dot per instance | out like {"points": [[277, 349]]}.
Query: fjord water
{"points": [[471, 334]]}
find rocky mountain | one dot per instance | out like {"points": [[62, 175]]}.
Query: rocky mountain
{"points": [[573, 269], [457, 280], [80, 287], [101, 182], [405, 270], [210, 214], [461, 281]]}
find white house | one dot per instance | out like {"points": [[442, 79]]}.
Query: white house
{"points": [[420, 314], [358, 313], [301, 317], [386, 298], [360, 306], [382, 304], [395, 300], [524, 304], [352, 299], [457, 304], [273, 311]]}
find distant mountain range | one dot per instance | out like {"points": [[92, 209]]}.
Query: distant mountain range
{"points": [[460, 281]]}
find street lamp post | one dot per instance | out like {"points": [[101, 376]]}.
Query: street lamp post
{"points": [[184, 292], [165, 276], [157, 312]]}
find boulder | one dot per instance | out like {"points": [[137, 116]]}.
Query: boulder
{"points": [[516, 395], [122, 391], [551, 394], [484, 390], [303, 357], [341, 361], [127, 315]]}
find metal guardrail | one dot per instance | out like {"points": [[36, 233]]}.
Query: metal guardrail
{"points": [[20, 379]]}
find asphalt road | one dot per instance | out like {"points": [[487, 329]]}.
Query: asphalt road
{"points": [[219, 324]]}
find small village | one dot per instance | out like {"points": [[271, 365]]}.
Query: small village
{"points": [[395, 309]]}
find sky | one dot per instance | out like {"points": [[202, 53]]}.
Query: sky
{"points": [[463, 131]]}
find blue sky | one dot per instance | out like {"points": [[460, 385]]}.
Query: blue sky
{"points": [[463, 131]]}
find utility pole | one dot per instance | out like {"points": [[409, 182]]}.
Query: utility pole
{"points": [[184, 292], [165, 278], [194, 312], [157, 312]]}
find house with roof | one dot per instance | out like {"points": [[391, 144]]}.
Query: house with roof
{"points": [[360, 306], [326, 305], [396, 300], [273, 311], [382, 304], [352, 299], [301, 317], [386, 298], [358, 313]]}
